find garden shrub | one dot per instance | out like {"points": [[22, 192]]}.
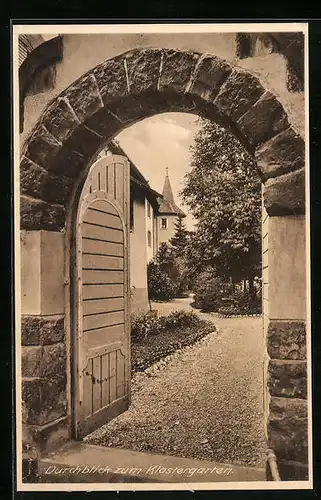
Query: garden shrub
{"points": [[212, 294], [209, 291], [179, 319], [160, 285], [144, 324]]}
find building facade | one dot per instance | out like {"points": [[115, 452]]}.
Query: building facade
{"points": [[168, 214]]}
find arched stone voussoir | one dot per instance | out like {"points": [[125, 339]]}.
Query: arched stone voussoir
{"points": [[208, 76], [283, 153], [143, 67], [37, 214], [177, 69], [285, 195], [84, 97], [263, 120], [37, 182], [240, 91], [144, 82]]}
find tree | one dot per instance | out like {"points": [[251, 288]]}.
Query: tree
{"points": [[223, 191], [160, 285], [165, 258], [179, 240]]}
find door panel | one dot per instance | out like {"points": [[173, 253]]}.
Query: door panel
{"points": [[102, 332]]}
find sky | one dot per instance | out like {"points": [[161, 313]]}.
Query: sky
{"points": [[159, 142]]}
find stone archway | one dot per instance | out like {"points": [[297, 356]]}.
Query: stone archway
{"points": [[75, 125]]}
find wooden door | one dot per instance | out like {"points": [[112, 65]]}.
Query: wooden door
{"points": [[102, 328]]}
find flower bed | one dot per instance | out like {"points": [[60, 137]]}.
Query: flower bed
{"points": [[154, 338]]}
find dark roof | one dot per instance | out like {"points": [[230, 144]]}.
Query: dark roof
{"points": [[167, 205]]}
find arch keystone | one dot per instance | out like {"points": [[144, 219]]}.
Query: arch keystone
{"points": [[210, 72], [143, 68], [177, 69]]}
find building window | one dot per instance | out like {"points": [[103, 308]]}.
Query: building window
{"points": [[149, 238], [163, 223], [131, 216], [148, 209]]}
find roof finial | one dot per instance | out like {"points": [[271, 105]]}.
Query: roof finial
{"points": [[166, 171]]}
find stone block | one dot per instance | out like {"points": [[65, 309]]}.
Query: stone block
{"points": [[31, 396], [39, 330], [263, 120], [286, 340], [30, 361], [59, 120], [285, 195], [68, 162], [37, 214], [209, 75], [111, 80], [84, 97], [41, 147], [143, 67], [238, 94], [53, 399], [37, 182], [53, 361], [85, 141], [288, 378], [104, 123], [176, 70], [288, 429], [283, 153]]}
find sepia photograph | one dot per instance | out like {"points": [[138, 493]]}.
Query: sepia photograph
{"points": [[162, 249]]}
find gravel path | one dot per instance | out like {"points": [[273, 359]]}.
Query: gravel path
{"points": [[202, 402]]}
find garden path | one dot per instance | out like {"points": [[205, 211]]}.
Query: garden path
{"points": [[205, 403]]}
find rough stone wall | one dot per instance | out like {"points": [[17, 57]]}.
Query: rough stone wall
{"points": [[43, 370], [288, 415]]}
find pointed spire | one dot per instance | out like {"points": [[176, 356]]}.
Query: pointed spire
{"points": [[167, 204], [167, 189]]}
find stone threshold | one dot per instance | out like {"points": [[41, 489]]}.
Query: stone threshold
{"points": [[78, 462]]}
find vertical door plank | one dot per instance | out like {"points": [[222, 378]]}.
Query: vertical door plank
{"points": [[102, 179], [113, 374], [110, 177], [87, 396], [96, 384], [94, 181], [105, 380], [120, 185], [120, 387]]}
